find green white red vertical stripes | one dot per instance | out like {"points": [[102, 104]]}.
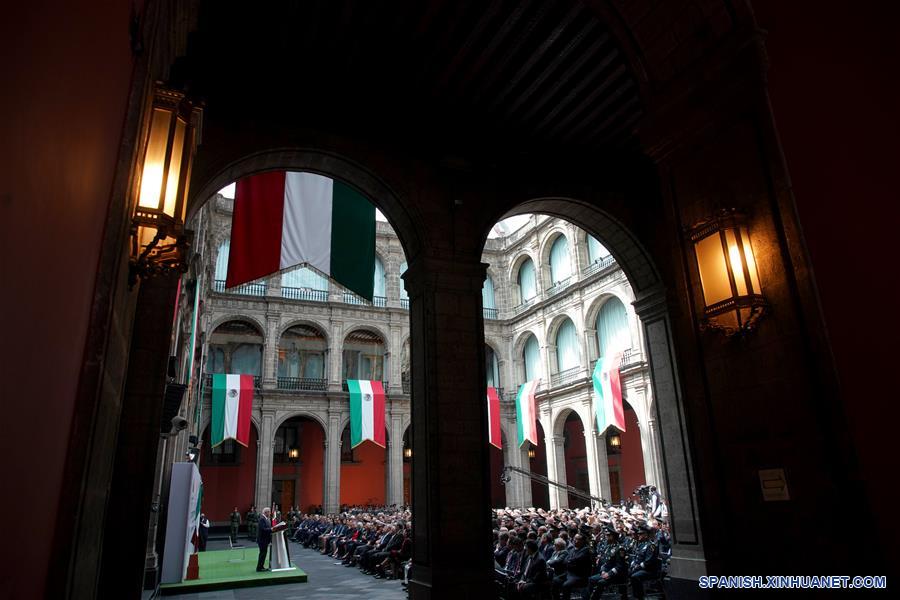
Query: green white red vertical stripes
{"points": [[366, 412], [608, 393], [526, 415], [232, 403]]}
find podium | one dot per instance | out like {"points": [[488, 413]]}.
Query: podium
{"points": [[279, 559]]}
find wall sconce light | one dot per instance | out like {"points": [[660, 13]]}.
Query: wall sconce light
{"points": [[615, 440], [407, 453], [294, 454], [531, 452], [732, 298], [158, 241]]}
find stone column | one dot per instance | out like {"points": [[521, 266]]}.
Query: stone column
{"points": [[598, 442], [556, 470], [264, 461], [688, 559], [451, 490], [331, 496], [394, 492], [335, 356], [395, 383], [591, 453], [270, 352], [652, 455]]}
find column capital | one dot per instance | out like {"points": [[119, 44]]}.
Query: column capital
{"points": [[441, 273]]}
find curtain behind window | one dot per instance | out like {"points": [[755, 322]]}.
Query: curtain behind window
{"points": [[379, 277], [560, 267], [246, 359], [527, 281], [487, 293], [567, 355], [222, 260], [596, 250], [314, 365], [493, 367], [613, 334], [304, 278], [532, 355], [403, 294]]}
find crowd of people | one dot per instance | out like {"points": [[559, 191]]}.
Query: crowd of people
{"points": [[538, 553]]}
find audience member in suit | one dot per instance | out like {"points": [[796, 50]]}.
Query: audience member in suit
{"points": [[578, 569], [557, 560], [533, 574]]}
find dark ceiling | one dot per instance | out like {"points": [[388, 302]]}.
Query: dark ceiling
{"points": [[516, 73]]}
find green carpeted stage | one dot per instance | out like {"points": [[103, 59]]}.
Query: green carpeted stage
{"points": [[235, 568]]}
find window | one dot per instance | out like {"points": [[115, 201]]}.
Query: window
{"points": [[487, 293], [532, 359], [492, 367], [304, 277], [285, 438], [348, 454], [247, 359], [403, 294], [527, 282], [222, 260], [215, 360], [379, 278], [566, 347], [560, 266], [613, 334], [363, 365], [225, 453], [596, 250]]}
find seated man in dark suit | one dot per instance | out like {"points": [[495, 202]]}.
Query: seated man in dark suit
{"points": [[263, 538], [578, 569], [533, 576]]}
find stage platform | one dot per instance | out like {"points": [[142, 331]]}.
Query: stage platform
{"points": [[229, 569]]}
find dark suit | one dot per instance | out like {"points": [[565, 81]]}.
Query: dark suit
{"points": [[263, 539], [578, 569], [534, 575]]}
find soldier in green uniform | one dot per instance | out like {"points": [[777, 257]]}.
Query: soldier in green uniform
{"points": [[235, 523], [252, 518]]}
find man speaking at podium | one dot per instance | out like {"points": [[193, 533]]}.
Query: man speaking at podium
{"points": [[263, 537]]}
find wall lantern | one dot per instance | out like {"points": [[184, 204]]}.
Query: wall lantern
{"points": [[158, 241], [615, 441], [293, 454], [731, 293], [407, 453], [531, 452]]}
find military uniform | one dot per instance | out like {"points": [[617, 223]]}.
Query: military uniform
{"points": [[252, 518], [644, 566], [235, 523], [612, 561]]}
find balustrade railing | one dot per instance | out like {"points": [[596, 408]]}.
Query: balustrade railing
{"points": [[247, 289], [404, 303], [309, 294], [490, 313], [525, 305], [599, 265], [344, 387], [208, 381], [302, 383], [558, 287], [565, 377], [351, 298]]}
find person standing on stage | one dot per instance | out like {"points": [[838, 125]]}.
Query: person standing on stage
{"points": [[235, 523], [263, 537], [204, 532]]}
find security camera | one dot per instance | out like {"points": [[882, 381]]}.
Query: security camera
{"points": [[178, 424]]}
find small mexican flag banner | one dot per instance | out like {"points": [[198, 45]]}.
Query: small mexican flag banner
{"points": [[232, 402], [526, 415], [608, 392], [493, 403], [366, 412]]}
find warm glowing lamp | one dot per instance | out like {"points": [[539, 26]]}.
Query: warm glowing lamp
{"points": [[294, 453], [531, 452], [615, 440], [159, 243], [407, 453], [732, 299]]}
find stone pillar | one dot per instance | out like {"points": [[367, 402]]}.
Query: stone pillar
{"points": [[688, 559], [335, 355], [270, 352], [394, 491], [556, 470], [451, 490], [331, 496], [591, 454], [395, 382], [652, 455], [264, 461], [598, 443]]}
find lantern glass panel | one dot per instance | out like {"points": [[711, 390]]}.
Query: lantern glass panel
{"points": [[751, 262], [174, 168], [155, 159], [736, 262], [713, 270]]}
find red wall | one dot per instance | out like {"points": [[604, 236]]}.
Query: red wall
{"points": [[540, 494], [227, 486], [363, 482], [835, 97], [66, 72], [631, 460], [576, 457], [309, 472]]}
